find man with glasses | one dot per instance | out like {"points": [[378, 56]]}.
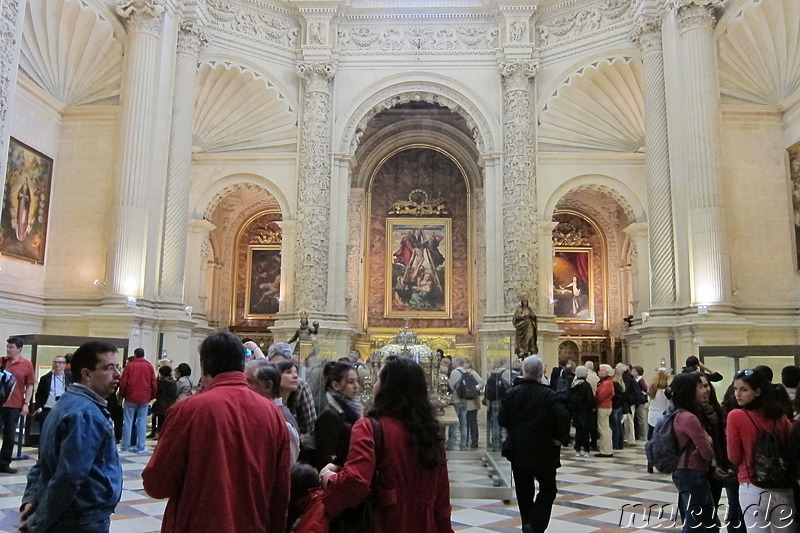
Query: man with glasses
{"points": [[77, 481], [51, 387]]}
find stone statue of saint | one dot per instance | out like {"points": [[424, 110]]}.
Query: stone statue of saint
{"points": [[303, 333], [525, 324]]}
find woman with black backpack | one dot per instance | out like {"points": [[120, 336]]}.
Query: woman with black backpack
{"points": [[757, 436], [695, 455]]}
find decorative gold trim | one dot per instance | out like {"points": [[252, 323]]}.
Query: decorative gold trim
{"points": [[422, 230], [419, 204], [269, 234], [234, 301]]}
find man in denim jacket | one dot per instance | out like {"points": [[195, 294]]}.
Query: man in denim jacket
{"points": [[77, 481]]}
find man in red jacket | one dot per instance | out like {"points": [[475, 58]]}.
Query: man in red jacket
{"points": [[223, 455], [137, 388]]}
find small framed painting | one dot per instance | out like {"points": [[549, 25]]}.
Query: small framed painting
{"points": [[572, 285]]}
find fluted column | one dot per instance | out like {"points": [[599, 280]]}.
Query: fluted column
{"points": [[659, 187], [519, 185], [176, 209], [701, 145], [314, 189], [128, 256], [11, 17]]}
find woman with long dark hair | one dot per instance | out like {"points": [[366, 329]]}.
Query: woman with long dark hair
{"points": [[411, 490], [760, 412], [691, 477], [332, 430]]}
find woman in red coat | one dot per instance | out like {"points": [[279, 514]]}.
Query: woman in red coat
{"points": [[411, 490]]}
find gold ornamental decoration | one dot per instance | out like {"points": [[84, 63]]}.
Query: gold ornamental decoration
{"points": [[419, 204], [269, 234], [566, 234]]}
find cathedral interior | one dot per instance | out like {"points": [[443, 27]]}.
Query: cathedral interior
{"points": [[630, 167]]}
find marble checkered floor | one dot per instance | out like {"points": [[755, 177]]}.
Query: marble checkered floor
{"points": [[592, 494]]}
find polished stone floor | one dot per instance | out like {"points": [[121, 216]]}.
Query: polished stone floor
{"points": [[595, 495]]}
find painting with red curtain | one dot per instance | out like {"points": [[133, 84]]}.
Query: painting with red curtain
{"points": [[572, 282]]}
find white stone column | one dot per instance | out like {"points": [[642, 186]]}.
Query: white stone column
{"points": [[314, 190], [638, 234], [337, 267], [701, 145], [127, 259], [546, 252], [493, 195], [519, 185], [176, 209], [12, 13], [357, 224], [659, 187], [196, 264]]}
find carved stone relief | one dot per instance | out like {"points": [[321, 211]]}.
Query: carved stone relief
{"points": [[254, 23], [10, 19], [596, 17], [432, 36]]}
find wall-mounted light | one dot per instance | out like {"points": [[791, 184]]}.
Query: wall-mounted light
{"points": [[645, 316], [130, 301], [702, 309], [188, 310], [98, 283]]}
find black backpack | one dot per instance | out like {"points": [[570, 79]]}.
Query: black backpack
{"points": [[771, 469], [496, 387], [662, 449], [467, 388], [7, 382]]}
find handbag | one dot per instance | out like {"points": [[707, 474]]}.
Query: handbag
{"points": [[361, 519]]}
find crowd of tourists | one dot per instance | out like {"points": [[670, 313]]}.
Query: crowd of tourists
{"points": [[266, 451]]}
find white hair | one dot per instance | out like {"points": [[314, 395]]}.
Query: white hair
{"points": [[533, 367]]}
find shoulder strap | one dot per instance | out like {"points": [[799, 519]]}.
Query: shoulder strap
{"points": [[689, 442], [377, 435]]}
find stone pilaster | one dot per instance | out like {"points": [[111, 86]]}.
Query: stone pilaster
{"points": [[127, 259], [638, 234], [519, 185], [701, 146], [314, 190], [659, 187], [11, 16], [176, 210]]}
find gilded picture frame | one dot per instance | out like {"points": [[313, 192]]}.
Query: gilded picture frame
{"points": [[418, 267], [26, 203], [794, 184], [573, 285], [263, 291]]}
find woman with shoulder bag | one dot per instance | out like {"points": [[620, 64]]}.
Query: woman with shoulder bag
{"points": [[408, 486]]}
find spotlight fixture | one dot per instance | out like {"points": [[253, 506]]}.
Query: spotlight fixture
{"points": [[702, 309], [98, 283], [188, 310], [130, 301]]}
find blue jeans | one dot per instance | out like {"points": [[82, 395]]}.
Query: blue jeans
{"points": [[94, 526], [617, 434], [472, 427], [494, 432], [694, 500], [139, 410], [461, 413]]}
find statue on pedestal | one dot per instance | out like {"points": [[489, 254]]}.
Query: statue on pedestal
{"points": [[303, 333], [525, 323]]}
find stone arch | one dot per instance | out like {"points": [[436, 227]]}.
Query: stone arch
{"points": [[435, 91], [627, 199], [216, 192]]}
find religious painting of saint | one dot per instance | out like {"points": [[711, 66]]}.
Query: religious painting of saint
{"points": [[572, 285], [26, 203], [418, 267], [794, 176], [262, 297]]}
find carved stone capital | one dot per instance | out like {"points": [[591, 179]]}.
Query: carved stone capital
{"points": [[191, 37], [142, 15], [517, 74], [317, 75], [697, 13], [647, 34]]}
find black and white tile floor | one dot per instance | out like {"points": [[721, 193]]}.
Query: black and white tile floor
{"points": [[595, 495]]}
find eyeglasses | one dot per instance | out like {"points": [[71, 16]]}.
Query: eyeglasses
{"points": [[746, 372], [109, 368]]}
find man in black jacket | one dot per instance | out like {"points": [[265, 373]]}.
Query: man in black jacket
{"points": [[536, 419], [51, 386]]}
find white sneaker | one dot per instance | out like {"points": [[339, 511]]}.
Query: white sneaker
{"points": [[578, 454]]}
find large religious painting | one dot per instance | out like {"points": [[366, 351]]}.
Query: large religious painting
{"points": [[262, 297], [794, 172], [418, 271], [26, 203], [573, 300]]}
